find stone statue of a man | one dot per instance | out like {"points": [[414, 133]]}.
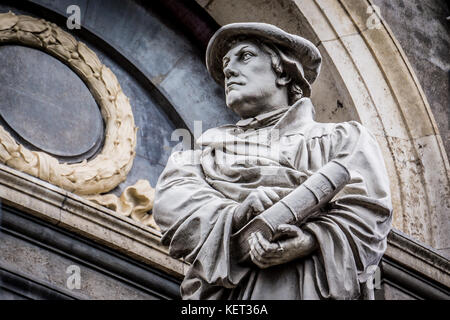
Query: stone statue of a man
{"points": [[206, 196]]}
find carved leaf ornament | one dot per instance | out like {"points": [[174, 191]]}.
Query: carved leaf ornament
{"points": [[111, 166]]}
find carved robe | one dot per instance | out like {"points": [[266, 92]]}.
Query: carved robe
{"points": [[199, 190]]}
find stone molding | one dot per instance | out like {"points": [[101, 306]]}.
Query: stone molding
{"points": [[424, 260], [36, 254], [83, 217]]}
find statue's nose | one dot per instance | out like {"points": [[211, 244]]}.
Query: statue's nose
{"points": [[230, 72]]}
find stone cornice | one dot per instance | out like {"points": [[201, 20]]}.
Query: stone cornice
{"points": [[86, 218], [420, 258]]}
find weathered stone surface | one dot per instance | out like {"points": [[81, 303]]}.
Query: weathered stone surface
{"points": [[436, 184], [423, 259], [329, 104], [47, 104], [424, 34], [42, 261], [51, 268], [81, 216], [393, 293]]}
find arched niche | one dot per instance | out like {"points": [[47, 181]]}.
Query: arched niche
{"points": [[367, 77]]}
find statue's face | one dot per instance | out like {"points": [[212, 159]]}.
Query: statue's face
{"points": [[250, 81]]}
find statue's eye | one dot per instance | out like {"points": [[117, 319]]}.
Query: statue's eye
{"points": [[246, 55]]}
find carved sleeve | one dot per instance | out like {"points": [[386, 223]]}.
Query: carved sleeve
{"points": [[196, 222], [352, 233]]}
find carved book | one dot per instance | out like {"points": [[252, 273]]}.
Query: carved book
{"points": [[303, 202]]}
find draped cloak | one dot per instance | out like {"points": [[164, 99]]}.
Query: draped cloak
{"points": [[199, 190]]}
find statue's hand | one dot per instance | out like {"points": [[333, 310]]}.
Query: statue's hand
{"points": [[265, 254], [256, 202]]}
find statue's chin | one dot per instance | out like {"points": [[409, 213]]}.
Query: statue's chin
{"points": [[237, 102], [243, 104], [238, 108], [234, 102]]}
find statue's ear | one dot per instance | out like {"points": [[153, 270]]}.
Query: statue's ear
{"points": [[283, 79]]}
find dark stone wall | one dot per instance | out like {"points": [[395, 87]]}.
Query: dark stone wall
{"points": [[423, 31]]}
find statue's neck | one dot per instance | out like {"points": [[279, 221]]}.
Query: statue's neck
{"points": [[299, 114], [263, 119], [304, 110]]}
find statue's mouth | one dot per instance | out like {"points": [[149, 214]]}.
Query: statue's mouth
{"points": [[232, 84]]}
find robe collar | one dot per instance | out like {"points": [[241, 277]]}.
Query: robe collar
{"points": [[262, 120], [298, 118], [284, 119]]}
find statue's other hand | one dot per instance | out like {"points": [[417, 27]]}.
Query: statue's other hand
{"points": [[265, 254], [256, 202]]}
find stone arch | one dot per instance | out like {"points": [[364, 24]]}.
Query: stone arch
{"points": [[367, 77]]}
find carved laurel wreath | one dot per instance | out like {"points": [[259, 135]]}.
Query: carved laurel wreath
{"points": [[111, 166]]}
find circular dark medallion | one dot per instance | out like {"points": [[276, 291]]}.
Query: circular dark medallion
{"points": [[47, 105]]}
